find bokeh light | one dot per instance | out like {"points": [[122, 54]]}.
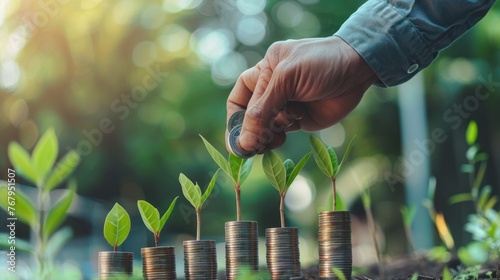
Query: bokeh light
{"points": [[300, 195]]}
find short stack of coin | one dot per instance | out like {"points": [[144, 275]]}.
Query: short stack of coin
{"points": [[334, 242], [200, 259], [115, 264], [242, 247], [282, 253], [158, 263]]}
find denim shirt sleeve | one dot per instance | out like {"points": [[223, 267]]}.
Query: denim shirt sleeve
{"points": [[398, 38]]}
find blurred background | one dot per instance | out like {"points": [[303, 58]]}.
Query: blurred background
{"points": [[130, 85]]}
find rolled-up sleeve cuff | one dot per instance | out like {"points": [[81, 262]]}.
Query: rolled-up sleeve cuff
{"points": [[387, 41]]}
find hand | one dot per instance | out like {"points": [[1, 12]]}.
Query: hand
{"points": [[307, 84]]}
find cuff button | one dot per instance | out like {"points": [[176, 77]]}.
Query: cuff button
{"points": [[412, 68]]}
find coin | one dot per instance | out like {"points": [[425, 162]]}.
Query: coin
{"points": [[200, 259], [114, 264], [242, 247], [158, 263], [282, 253], [233, 140], [334, 244], [235, 120]]}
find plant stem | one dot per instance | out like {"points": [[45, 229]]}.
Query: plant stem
{"points": [[41, 239], [238, 201], [371, 225], [334, 189], [198, 223], [157, 239], [282, 209]]}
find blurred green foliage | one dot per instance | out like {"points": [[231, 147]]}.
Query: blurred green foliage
{"points": [[131, 84]]}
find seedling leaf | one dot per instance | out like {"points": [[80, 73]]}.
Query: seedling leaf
{"points": [[274, 170], [44, 154], [483, 198], [289, 165], [245, 170], [321, 156], [25, 209], [340, 275], [471, 133], [408, 214], [334, 160], [295, 171], [191, 192], [461, 197], [167, 214], [472, 152], [346, 154], [21, 161], [447, 274], [150, 216], [218, 158], [21, 245], [57, 214], [209, 189], [116, 226], [63, 169], [235, 164]]}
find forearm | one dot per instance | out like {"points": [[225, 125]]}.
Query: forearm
{"points": [[399, 38]]}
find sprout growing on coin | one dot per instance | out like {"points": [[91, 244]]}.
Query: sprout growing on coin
{"points": [[151, 217], [235, 167], [327, 161], [116, 226], [281, 175], [193, 194]]}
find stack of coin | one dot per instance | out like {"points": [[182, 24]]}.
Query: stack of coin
{"points": [[334, 242], [282, 253], [200, 259], [158, 263], [242, 247], [115, 264]]}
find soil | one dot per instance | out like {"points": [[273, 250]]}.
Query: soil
{"points": [[405, 268]]}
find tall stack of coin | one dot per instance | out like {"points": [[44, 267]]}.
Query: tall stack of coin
{"points": [[200, 259], [282, 253], [114, 264], [334, 242], [242, 247], [158, 263]]}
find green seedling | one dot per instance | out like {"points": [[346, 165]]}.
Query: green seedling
{"points": [[367, 205], [281, 175], [116, 226], [192, 192], [327, 161], [235, 167], [338, 273], [42, 216], [151, 217]]}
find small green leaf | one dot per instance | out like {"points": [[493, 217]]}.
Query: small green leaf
{"points": [[116, 226], [57, 241], [63, 169], [21, 245], [461, 197], [472, 152], [289, 165], [414, 276], [483, 198], [321, 156], [471, 133], [334, 160], [209, 189], [235, 164], [297, 169], [217, 157], [340, 275], [25, 210], [408, 214], [274, 170], [44, 154], [481, 157], [490, 204], [479, 176], [467, 168], [191, 192], [346, 154], [167, 214], [21, 161], [446, 274], [57, 214], [245, 170], [150, 216]]}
